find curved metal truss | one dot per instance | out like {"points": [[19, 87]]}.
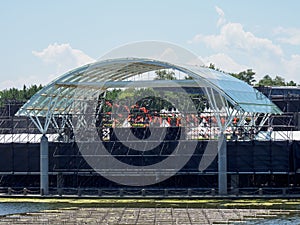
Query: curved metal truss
{"points": [[231, 101]]}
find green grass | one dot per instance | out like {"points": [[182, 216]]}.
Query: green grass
{"points": [[175, 203]]}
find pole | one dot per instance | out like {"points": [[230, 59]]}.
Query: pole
{"points": [[44, 180], [222, 164]]}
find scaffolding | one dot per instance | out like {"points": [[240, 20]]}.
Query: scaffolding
{"points": [[73, 106]]}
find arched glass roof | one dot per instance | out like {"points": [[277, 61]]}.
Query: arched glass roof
{"points": [[58, 96]]}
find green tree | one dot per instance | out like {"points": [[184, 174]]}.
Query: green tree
{"points": [[265, 81], [278, 81], [188, 78], [14, 94], [212, 66], [165, 75], [291, 83], [126, 94], [247, 76], [113, 94]]}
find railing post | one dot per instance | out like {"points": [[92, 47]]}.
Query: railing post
{"points": [[9, 191], [213, 192], [189, 191]]}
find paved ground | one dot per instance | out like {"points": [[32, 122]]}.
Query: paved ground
{"points": [[75, 215]]}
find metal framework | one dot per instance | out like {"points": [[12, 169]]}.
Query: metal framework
{"points": [[226, 94], [232, 102]]}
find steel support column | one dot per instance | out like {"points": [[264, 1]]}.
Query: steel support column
{"points": [[222, 164], [44, 179]]}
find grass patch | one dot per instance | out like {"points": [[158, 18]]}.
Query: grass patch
{"points": [[174, 203]]}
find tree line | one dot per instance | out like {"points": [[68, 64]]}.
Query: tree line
{"points": [[249, 77], [22, 95], [18, 95]]}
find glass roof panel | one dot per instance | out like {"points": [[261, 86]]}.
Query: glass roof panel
{"points": [[62, 92]]}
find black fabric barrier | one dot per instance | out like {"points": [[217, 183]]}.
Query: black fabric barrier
{"points": [[231, 156], [243, 156], [171, 133], [240, 156], [295, 157], [33, 157], [280, 156], [7, 157], [262, 154], [64, 156], [20, 162], [259, 156]]}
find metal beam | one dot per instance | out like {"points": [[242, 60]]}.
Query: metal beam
{"points": [[138, 84]]}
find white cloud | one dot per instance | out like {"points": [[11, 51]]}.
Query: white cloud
{"points": [[27, 80], [233, 37], [57, 58], [63, 56], [292, 67], [221, 14], [224, 62], [236, 49], [288, 35]]}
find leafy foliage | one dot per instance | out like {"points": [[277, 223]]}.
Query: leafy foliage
{"points": [[277, 81], [291, 83], [247, 76], [18, 95], [165, 75]]}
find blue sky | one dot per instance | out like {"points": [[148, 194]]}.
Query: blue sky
{"points": [[40, 40]]}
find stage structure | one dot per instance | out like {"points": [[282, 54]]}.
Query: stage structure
{"points": [[112, 96]]}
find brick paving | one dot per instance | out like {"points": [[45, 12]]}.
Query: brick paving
{"points": [[143, 216]]}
